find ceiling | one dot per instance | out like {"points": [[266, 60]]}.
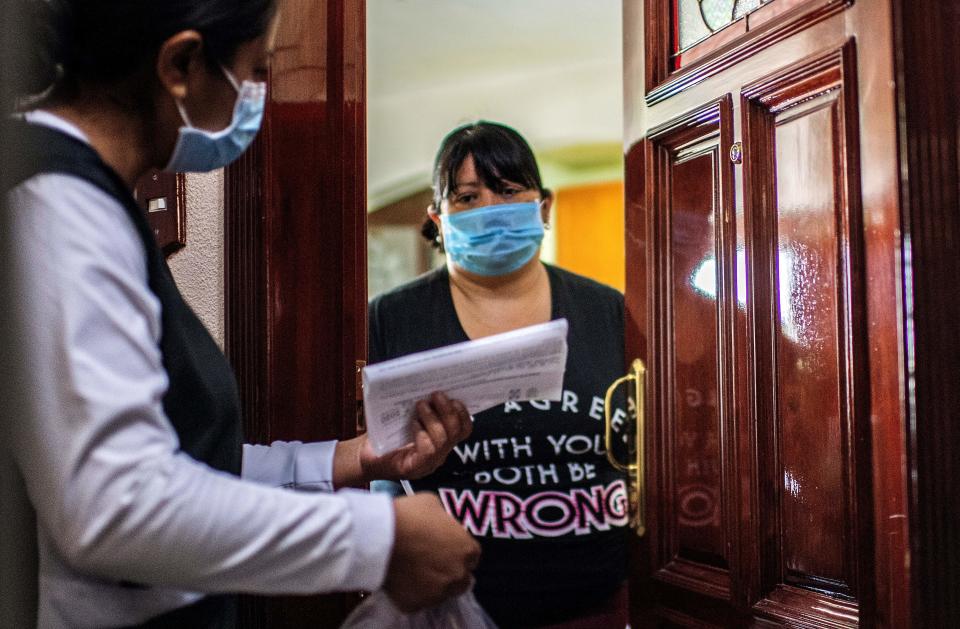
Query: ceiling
{"points": [[549, 68]]}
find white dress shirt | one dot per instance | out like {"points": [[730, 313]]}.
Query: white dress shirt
{"points": [[115, 498]]}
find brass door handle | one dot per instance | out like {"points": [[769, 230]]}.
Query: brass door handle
{"points": [[635, 470]]}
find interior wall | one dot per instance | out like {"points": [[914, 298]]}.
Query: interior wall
{"points": [[198, 267], [549, 68], [588, 223], [552, 69]]}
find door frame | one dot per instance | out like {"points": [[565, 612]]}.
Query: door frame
{"points": [[295, 277], [928, 60]]}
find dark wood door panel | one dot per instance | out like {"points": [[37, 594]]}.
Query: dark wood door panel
{"points": [[811, 419], [803, 217], [693, 530], [695, 423]]}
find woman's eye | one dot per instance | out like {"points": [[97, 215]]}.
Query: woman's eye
{"points": [[465, 198]]}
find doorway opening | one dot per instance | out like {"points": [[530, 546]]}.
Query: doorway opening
{"points": [[551, 69]]}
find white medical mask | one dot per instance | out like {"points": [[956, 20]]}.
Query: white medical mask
{"points": [[198, 150]]}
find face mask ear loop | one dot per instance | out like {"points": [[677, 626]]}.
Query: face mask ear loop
{"points": [[183, 113], [233, 83], [540, 204], [230, 78], [233, 80]]}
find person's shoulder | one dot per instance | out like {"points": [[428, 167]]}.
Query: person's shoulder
{"points": [[64, 211], [416, 290], [581, 287]]}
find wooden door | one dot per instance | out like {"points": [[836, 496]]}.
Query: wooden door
{"points": [[764, 295]]}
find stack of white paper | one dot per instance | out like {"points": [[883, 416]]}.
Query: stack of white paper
{"points": [[520, 365]]}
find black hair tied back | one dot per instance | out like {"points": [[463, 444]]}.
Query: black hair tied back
{"points": [[100, 42], [45, 45]]}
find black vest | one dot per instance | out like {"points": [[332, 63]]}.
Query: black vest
{"points": [[202, 401]]}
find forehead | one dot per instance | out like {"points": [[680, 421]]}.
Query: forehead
{"points": [[263, 46], [254, 51], [466, 173]]}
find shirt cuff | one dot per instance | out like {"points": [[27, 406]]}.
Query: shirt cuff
{"points": [[373, 535], [314, 466], [291, 464]]}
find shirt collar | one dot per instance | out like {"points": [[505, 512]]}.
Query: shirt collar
{"points": [[53, 121]]}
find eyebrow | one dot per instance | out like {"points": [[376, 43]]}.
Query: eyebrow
{"points": [[480, 184]]}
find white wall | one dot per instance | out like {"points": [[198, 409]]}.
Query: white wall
{"points": [[198, 267], [550, 68]]}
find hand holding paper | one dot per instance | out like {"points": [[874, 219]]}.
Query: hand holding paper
{"points": [[520, 365], [438, 425]]}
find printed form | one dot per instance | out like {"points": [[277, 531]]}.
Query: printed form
{"points": [[516, 366]]}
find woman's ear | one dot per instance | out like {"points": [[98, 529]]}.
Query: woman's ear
{"points": [[177, 58], [433, 214], [437, 232], [546, 204]]}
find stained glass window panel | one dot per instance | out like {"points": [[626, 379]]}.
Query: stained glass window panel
{"points": [[692, 27], [744, 7], [717, 13], [698, 19]]}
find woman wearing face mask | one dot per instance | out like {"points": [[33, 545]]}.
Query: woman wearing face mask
{"points": [[131, 450], [532, 482]]}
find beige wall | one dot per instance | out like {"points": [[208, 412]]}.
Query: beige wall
{"points": [[198, 267]]}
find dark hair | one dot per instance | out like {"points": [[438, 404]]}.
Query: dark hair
{"points": [[104, 41], [500, 154]]}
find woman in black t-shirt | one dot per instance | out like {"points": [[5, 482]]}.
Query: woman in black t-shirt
{"points": [[532, 483]]}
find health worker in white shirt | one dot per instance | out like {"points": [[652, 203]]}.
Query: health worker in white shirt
{"points": [[131, 448]]}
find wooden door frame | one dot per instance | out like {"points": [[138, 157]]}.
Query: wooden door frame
{"points": [[295, 257], [929, 153]]}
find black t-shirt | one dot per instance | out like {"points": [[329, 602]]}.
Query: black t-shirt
{"points": [[532, 483]]}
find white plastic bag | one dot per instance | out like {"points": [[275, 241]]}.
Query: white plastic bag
{"points": [[377, 611]]}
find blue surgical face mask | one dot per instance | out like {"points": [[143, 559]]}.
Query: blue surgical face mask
{"points": [[199, 151], [493, 240]]}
